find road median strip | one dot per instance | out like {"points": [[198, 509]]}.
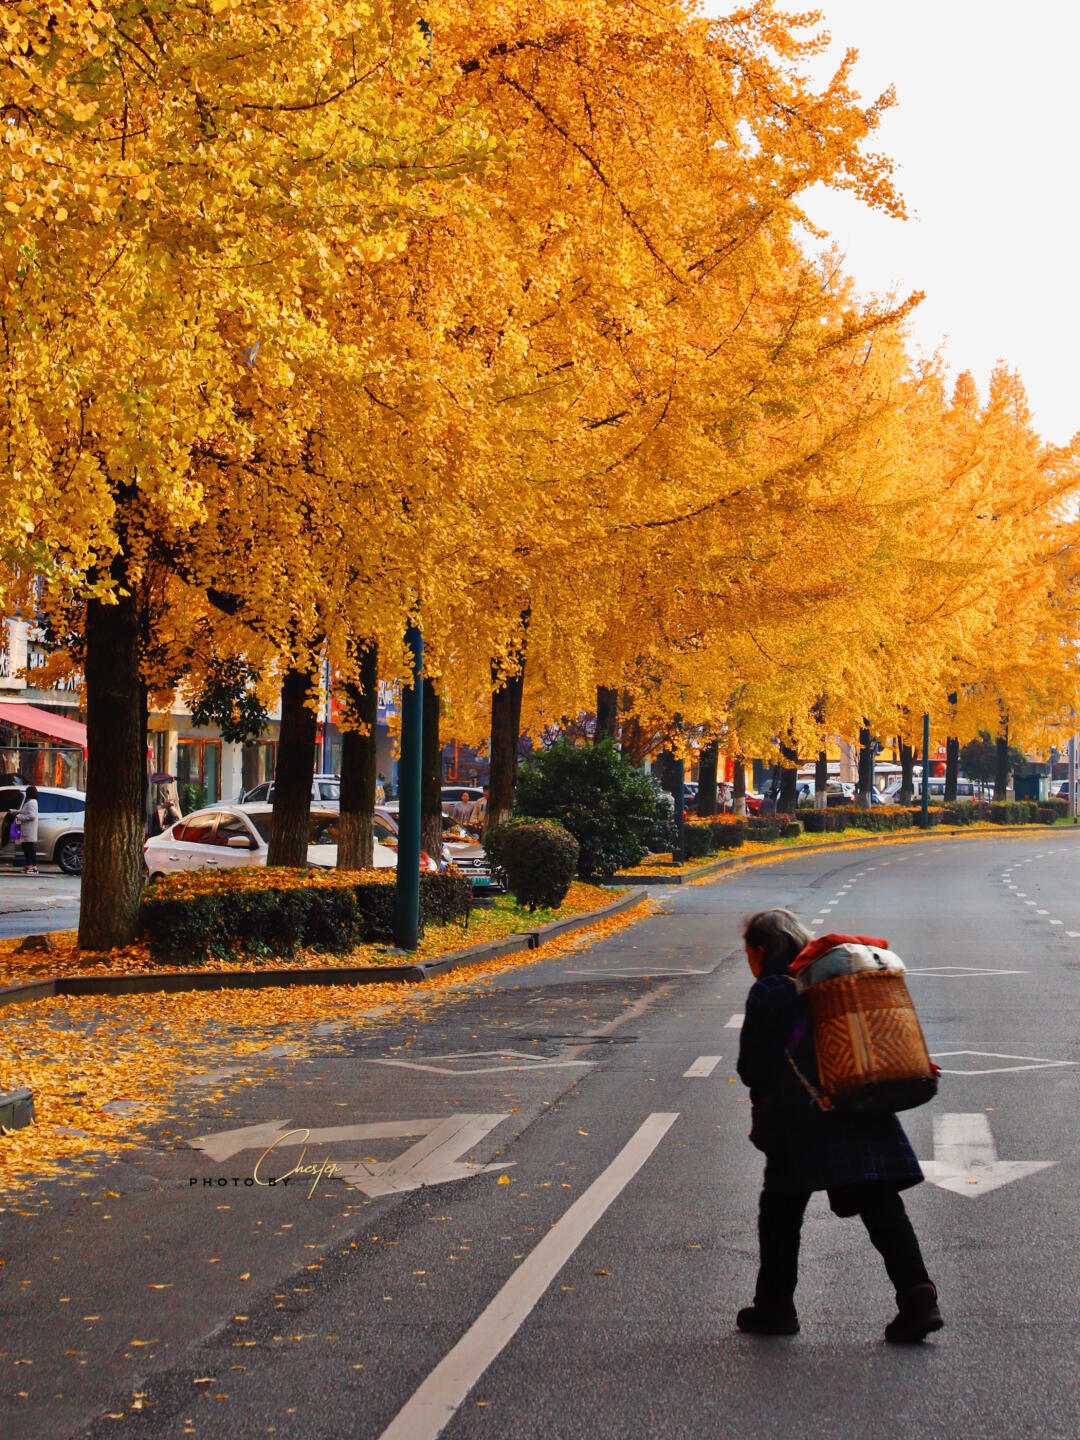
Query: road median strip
{"points": [[154, 981]]}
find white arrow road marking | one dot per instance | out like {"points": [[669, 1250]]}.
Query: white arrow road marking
{"points": [[638, 974], [516, 1060], [965, 1158], [702, 1067], [227, 1143], [431, 1161], [438, 1399], [1036, 1062], [957, 972]]}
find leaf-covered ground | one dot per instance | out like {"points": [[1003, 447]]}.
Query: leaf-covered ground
{"points": [[103, 1070]]}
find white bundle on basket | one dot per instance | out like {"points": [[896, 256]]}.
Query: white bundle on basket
{"points": [[870, 1049]]}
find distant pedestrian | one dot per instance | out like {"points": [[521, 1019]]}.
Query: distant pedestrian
{"points": [[28, 829], [862, 1161], [478, 813]]}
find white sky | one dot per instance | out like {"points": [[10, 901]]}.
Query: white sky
{"points": [[984, 136]]}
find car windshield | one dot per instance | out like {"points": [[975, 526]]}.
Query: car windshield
{"points": [[322, 827], [328, 789]]}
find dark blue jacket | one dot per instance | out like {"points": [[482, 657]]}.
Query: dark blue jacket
{"points": [[807, 1148]]}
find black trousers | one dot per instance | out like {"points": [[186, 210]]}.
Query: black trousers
{"points": [[878, 1205], [29, 850]]}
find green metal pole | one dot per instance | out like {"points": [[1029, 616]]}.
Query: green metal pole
{"points": [[926, 772], [407, 883], [678, 794]]}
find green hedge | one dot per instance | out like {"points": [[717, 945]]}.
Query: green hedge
{"points": [[191, 918], [540, 859], [1014, 812], [707, 836]]}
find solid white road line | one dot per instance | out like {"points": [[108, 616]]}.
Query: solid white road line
{"points": [[702, 1067], [736, 1021], [439, 1397]]}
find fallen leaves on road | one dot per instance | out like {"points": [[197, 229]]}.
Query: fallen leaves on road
{"points": [[81, 1054]]}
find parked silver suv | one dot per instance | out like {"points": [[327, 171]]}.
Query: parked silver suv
{"points": [[60, 825]]}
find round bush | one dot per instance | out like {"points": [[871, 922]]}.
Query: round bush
{"points": [[608, 806], [540, 860]]}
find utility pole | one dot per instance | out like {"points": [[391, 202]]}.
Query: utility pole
{"points": [[407, 882], [1073, 811], [926, 771]]}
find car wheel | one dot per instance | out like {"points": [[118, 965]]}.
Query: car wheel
{"points": [[68, 854]]}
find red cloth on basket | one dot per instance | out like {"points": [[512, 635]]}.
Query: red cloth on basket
{"points": [[824, 943]]}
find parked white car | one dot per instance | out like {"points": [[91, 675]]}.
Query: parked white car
{"points": [[225, 836]]}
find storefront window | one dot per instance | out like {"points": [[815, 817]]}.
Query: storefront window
{"points": [[198, 772]]}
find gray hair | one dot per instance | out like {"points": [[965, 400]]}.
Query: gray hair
{"points": [[779, 935]]}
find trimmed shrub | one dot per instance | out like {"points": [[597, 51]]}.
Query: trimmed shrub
{"points": [[609, 806], [1047, 814], [698, 840], [822, 822], [963, 812], [661, 836], [445, 897], [540, 859], [192, 917], [1014, 812]]}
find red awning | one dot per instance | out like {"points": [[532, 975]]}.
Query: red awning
{"points": [[44, 722]]}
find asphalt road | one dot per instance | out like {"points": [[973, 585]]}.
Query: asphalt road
{"points": [[588, 1290], [35, 904]]}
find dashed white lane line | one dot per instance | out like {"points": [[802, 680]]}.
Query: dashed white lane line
{"points": [[435, 1403], [1031, 902], [702, 1067], [1073, 934], [735, 1023], [1055, 922]]}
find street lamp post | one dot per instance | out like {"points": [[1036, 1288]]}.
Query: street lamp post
{"points": [[407, 881], [926, 771]]}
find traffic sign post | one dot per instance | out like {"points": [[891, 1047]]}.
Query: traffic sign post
{"points": [[407, 885]]}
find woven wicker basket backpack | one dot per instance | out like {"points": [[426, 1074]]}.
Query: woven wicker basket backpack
{"points": [[870, 1050]]}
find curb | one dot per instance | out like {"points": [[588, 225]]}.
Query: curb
{"points": [[734, 862], [172, 981]]}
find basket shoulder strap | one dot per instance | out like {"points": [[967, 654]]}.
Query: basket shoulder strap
{"points": [[795, 1039]]}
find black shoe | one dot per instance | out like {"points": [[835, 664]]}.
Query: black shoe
{"points": [[768, 1320], [917, 1317]]}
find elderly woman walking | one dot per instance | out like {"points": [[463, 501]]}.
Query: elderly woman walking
{"points": [[862, 1161]]}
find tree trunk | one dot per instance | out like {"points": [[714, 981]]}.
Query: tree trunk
{"points": [[952, 767], [664, 770], [505, 728], [707, 768], [907, 774], [787, 800], [113, 867], [1001, 768], [738, 786], [431, 776], [866, 768], [295, 772], [607, 713], [359, 763], [821, 781]]}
